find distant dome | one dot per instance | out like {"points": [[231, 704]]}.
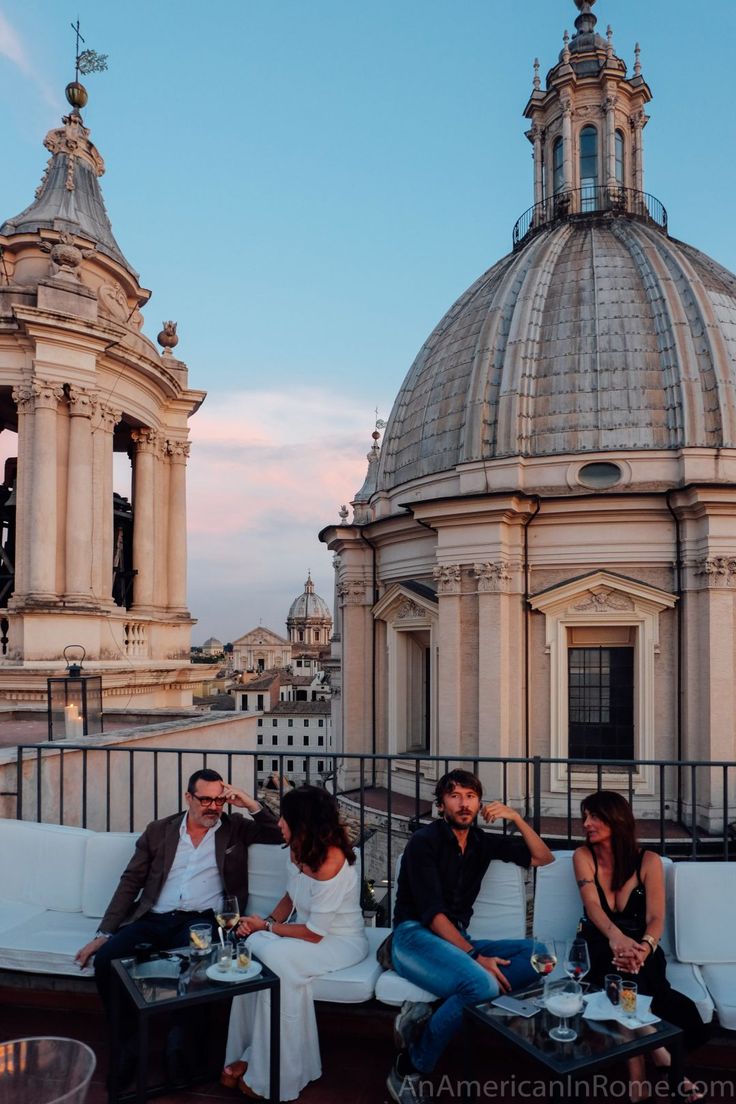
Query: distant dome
{"points": [[308, 605], [213, 643], [600, 334]]}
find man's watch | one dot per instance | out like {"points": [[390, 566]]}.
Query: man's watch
{"points": [[473, 953], [99, 934]]}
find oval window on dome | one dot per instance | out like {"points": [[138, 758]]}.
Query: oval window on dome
{"points": [[599, 474]]}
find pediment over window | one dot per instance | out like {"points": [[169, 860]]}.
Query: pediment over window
{"points": [[604, 594], [410, 605]]}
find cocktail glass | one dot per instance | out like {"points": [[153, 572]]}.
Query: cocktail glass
{"points": [[563, 998]]}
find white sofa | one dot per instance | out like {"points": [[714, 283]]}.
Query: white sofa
{"points": [[55, 883], [557, 912], [704, 902]]}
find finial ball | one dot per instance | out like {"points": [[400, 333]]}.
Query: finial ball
{"points": [[168, 338], [76, 94]]}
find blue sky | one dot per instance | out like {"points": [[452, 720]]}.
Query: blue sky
{"points": [[307, 185]]}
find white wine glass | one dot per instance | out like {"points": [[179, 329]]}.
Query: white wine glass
{"points": [[544, 955], [576, 963], [229, 915]]}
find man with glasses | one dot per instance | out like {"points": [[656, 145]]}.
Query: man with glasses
{"points": [[181, 868]]}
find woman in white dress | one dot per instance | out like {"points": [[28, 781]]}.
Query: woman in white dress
{"points": [[324, 932]]}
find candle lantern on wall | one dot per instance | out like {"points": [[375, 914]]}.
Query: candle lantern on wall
{"points": [[75, 701]]}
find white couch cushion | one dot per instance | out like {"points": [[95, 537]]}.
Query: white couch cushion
{"points": [[353, 984], [13, 913], [47, 943], [42, 864], [721, 982], [705, 912], [687, 979], [106, 857], [267, 866], [394, 990]]}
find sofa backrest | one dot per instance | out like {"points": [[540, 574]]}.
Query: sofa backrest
{"points": [[557, 904], [106, 857], [43, 864], [267, 866], [705, 911]]}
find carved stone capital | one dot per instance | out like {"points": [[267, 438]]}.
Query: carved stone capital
{"points": [[82, 403], [37, 395], [717, 571], [637, 119], [609, 103], [336, 563], [448, 578], [146, 440], [352, 592], [108, 416], [178, 451], [492, 578]]}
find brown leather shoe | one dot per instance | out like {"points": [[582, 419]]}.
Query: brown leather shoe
{"points": [[246, 1090]]}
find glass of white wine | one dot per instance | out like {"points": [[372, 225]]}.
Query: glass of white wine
{"points": [[576, 963], [544, 955], [228, 916]]}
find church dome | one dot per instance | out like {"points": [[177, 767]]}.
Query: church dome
{"points": [[309, 606], [600, 334]]}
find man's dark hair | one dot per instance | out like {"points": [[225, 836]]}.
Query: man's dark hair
{"points": [[454, 778], [205, 775]]}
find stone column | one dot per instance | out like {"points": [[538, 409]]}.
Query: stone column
{"points": [[79, 531], [449, 667], [178, 453], [43, 399], [637, 125], [146, 445], [567, 150], [538, 164], [357, 686], [609, 107], [493, 698], [161, 469], [102, 498]]}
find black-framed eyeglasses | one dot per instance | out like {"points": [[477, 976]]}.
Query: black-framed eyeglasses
{"points": [[218, 801]]}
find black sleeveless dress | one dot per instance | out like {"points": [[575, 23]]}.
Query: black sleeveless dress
{"points": [[652, 980]]}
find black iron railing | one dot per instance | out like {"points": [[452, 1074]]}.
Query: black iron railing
{"points": [[590, 200], [684, 809]]}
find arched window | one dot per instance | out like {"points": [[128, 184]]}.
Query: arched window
{"points": [[588, 169], [558, 173], [620, 158]]}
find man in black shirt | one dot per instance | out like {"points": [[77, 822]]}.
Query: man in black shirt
{"points": [[441, 871]]}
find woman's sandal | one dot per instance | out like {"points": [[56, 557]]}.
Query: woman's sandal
{"points": [[232, 1074]]}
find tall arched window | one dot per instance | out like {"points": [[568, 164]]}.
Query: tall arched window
{"points": [[619, 158], [558, 172], [588, 168]]}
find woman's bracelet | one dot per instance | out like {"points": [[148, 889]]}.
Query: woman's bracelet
{"points": [[653, 943]]}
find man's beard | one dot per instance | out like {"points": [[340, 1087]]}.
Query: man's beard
{"points": [[460, 825]]}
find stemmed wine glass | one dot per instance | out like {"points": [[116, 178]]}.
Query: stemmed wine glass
{"points": [[577, 960], [544, 955], [563, 998], [229, 915]]}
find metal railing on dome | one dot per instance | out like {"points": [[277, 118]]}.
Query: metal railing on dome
{"points": [[590, 200]]}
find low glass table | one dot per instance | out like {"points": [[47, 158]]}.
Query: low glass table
{"points": [[599, 1043], [171, 982]]}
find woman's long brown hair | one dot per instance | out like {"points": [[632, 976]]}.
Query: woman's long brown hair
{"points": [[614, 810], [314, 822]]}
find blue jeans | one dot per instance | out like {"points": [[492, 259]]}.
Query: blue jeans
{"points": [[432, 963]]}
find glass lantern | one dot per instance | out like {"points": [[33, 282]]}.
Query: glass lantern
{"points": [[74, 701]]}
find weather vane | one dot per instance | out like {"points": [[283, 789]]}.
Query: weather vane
{"points": [[86, 61], [380, 424]]}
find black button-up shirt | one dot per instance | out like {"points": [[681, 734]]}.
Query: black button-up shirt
{"points": [[436, 876]]}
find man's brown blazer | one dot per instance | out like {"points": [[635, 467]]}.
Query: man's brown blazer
{"points": [[144, 876]]}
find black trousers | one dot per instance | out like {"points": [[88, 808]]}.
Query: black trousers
{"points": [[163, 931]]}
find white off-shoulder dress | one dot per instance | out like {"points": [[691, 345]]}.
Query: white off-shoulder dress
{"points": [[331, 909]]}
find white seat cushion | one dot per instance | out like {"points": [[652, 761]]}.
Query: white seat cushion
{"points": [[353, 984], [13, 913], [394, 990], [267, 866], [42, 864], [721, 982], [47, 943], [106, 857], [688, 979], [705, 911]]}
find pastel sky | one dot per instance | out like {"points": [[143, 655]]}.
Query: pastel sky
{"points": [[307, 185]]}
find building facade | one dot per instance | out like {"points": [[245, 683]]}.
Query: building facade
{"points": [[80, 385], [542, 560]]}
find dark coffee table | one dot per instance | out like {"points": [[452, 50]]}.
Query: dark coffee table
{"points": [[598, 1044], [161, 986]]}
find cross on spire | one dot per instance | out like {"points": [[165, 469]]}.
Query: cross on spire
{"points": [[80, 38]]}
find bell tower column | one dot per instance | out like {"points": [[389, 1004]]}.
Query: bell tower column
{"points": [[79, 549], [43, 399], [146, 444], [178, 453], [567, 151]]}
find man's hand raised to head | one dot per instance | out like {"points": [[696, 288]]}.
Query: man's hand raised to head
{"points": [[239, 798], [497, 810]]}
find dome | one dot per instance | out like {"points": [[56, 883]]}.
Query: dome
{"points": [[213, 643], [309, 605], [600, 334]]}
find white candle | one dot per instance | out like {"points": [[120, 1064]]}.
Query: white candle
{"points": [[69, 711]]}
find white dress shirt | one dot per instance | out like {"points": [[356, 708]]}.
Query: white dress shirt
{"points": [[194, 882]]}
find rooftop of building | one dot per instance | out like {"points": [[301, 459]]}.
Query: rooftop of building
{"points": [[301, 708]]}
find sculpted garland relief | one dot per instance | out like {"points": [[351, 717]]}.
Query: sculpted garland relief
{"points": [[604, 600]]}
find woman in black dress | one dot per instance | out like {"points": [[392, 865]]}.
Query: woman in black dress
{"points": [[622, 889]]}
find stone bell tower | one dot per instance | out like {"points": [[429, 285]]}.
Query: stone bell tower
{"points": [[82, 388]]}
